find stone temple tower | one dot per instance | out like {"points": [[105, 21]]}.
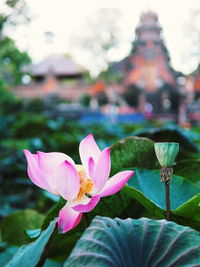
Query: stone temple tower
{"points": [[148, 77]]}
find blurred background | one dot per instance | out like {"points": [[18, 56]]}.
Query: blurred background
{"points": [[111, 68]]}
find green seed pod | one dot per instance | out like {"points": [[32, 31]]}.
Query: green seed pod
{"points": [[166, 153]]}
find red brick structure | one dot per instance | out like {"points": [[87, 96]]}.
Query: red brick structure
{"points": [[148, 82], [56, 75], [148, 78]]}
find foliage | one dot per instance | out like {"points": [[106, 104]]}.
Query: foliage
{"points": [[146, 187], [110, 75], [124, 157], [85, 100], [36, 125], [30, 255], [13, 226], [109, 242], [13, 12], [28, 214], [12, 60], [189, 168], [7, 97], [171, 133]]}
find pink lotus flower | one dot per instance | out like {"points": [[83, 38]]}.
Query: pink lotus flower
{"points": [[81, 185]]}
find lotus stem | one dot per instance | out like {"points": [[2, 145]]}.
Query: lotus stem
{"points": [[167, 198], [166, 176], [85, 215]]}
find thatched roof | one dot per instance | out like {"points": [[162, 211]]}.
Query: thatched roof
{"points": [[57, 65]]}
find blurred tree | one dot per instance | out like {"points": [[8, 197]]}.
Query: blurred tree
{"points": [[11, 62], [99, 36], [13, 12], [111, 74], [11, 59]]}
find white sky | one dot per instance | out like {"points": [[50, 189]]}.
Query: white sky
{"points": [[63, 17]]}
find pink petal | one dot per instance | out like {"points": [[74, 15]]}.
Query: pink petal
{"points": [[67, 181], [91, 165], [68, 219], [34, 173], [48, 162], [88, 148], [115, 183], [101, 171], [88, 207]]}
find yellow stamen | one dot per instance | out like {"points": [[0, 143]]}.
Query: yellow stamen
{"points": [[86, 183]]}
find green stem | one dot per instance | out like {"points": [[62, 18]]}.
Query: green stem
{"points": [[166, 176], [167, 198], [85, 215]]}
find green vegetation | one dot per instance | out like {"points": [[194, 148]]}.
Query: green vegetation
{"points": [[28, 214], [36, 125]]}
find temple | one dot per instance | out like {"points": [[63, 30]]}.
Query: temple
{"points": [[144, 81], [149, 81]]}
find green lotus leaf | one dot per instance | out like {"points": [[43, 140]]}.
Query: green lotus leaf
{"points": [[14, 226], [145, 186], [133, 151], [189, 168], [144, 242], [171, 133], [29, 255]]}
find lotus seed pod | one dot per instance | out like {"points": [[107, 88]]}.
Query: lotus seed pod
{"points": [[166, 153]]}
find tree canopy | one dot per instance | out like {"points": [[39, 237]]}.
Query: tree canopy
{"points": [[12, 59]]}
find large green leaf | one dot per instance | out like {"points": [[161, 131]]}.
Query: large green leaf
{"points": [[121, 205], [118, 205], [188, 213], [171, 133], [145, 186], [144, 242], [148, 182], [133, 151], [53, 212], [13, 226], [189, 168], [7, 254], [112, 206], [30, 254]]}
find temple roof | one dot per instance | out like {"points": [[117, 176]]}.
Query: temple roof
{"points": [[57, 65], [148, 22], [149, 17]]}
